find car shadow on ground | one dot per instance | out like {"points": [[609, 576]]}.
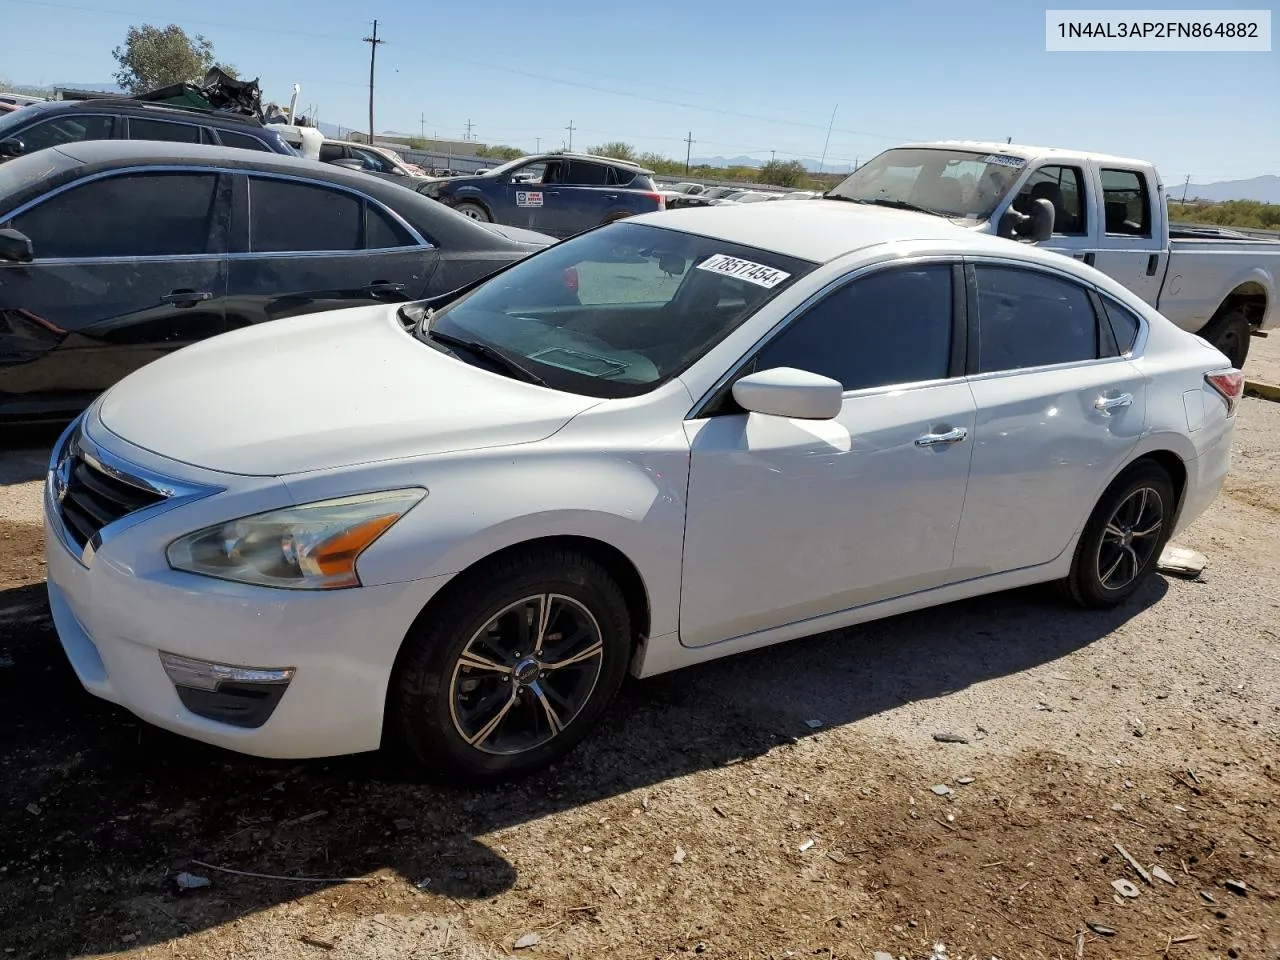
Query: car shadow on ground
{"points": [[99, 811]]}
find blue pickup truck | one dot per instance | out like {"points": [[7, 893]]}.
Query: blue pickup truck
{"points": [[555, 193]]}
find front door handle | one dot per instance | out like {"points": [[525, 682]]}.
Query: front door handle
{"points": [[1107, 405], [1153, 261], [186, 298], [383, 288], [951, 436]]}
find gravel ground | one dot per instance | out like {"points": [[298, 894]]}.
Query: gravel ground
{"points": [[775, 804]]}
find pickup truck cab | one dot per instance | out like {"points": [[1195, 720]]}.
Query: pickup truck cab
{"points": [[556, 193], [1109, 212]]}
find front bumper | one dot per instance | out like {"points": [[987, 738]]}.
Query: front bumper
{"points": [[118, 608]]}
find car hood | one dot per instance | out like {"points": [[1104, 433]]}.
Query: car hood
{"points": [[321, 391]]}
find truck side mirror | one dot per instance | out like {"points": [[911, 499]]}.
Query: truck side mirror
{"points": [[1039, 226]]}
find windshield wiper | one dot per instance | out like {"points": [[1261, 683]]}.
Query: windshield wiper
{"points": [[498, 358], [902, 205]]}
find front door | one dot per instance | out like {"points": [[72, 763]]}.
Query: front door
{"points": [[313, 246], [1058, 414], [792, 519], [1066, 187], [127, 268], [531, 198], [1130, 249]]}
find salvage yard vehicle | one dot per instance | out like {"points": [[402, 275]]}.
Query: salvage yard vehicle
{"points": [[1109, 212], [113, 253], [56, 122], [372, 160], [452, 527], [556, 193]]}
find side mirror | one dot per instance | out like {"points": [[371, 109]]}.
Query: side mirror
{"points": [[15, 247], [1040, 224], [788, 392], [13, 147]]}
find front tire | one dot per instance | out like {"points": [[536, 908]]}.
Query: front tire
{"points": [[512, 668], [1230, 333], [474, 211], [1124, 537]]}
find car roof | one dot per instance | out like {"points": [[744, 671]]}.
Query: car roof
{"points": [[593, 157], [141, 108], [1024, 151], [158, 152], [821, 231]]}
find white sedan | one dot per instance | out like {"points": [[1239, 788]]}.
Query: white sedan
{"points": [[457, 525]]}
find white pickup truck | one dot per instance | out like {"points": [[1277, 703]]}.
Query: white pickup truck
{"points": [[1110, 212]]}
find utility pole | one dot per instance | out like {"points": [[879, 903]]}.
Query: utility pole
{"points": [[773, 155], [373, 42], [570, 128], [537, 144], [1185, 184], [422, 126], [688, 151], [467, 135]]}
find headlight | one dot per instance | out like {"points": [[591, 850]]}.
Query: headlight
{"points": [[309, 547]]}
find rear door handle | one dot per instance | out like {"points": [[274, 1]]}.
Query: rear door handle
{"points": [[186, 297], [1153, 261], [1107, 405], [951, 436], [383, 288]]}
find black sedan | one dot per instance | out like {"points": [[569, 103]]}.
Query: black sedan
{"points": [[115, 252]]}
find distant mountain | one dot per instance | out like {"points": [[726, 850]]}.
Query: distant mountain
{"points": [[1265, 189]]}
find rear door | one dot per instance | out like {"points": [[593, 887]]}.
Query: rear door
{"points": [[128, 267], [1131, 248], [309, 245], [586, 196], [1058, 412]]}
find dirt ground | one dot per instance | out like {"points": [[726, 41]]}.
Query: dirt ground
{"points": [[777, 804]]}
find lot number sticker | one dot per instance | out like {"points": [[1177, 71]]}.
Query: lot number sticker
{"points": [[757, 273], [528, 198], [1004, 161]]}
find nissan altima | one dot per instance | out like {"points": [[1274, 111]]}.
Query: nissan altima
{"points": [[454, 526]]}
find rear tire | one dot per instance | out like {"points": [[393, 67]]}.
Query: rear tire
{"points": [[1124, 538], [474, 211], [478, 698], [1230, 333]]}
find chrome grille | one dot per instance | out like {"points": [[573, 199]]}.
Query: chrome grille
{"points": [[93, 498]]}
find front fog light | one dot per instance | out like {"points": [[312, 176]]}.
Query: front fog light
{"points": [[309, 547]]}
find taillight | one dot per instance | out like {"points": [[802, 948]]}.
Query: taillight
{"points": [[570, 277], [1229, 385], [662, 201]]}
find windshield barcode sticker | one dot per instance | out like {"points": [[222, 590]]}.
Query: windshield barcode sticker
{"points": [[757, 273], [1004, 161]]}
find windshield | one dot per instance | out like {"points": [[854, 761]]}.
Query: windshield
{"points": [[508, 166], [617, 311], [953, 183]]}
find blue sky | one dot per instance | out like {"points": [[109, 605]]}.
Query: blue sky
{"points": [[747, 77]]}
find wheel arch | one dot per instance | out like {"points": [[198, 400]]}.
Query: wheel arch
{"points": [[1252, 296]]}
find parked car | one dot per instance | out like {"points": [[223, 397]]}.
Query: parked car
{"points": [[55, 122], [556, 193], [1106, 211], [759, 422], [372, 160], [6, 108], [113, 253], [707, 197], [20, 99]]}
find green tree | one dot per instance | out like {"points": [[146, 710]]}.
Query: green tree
{"points": [[615, 149], [154, 57], [499, 152], [783, 173]]}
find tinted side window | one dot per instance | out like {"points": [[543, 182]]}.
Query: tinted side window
{"points": [[374, 161], [242, 141], [140, 129], [584, 174], [1061, 187], [1127, 206], [620, 177], [1124, 324], [383, 232], [285, 217], [139, 215], [60, 130], [1028, 319], [330, 152], [886, 328]]}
